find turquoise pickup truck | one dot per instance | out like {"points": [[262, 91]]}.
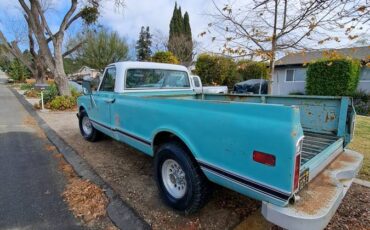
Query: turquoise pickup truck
{"points": [[289, 152]]}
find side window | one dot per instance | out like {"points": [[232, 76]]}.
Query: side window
{"points": [[109, 80], [289, 75], [196, 82]]}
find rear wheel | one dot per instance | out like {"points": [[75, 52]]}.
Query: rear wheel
{"points": [[182, 185], [87, 130]]}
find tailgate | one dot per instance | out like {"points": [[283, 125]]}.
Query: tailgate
{"points": [[317, 202]]}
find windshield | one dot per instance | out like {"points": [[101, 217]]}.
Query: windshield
{"points": [[156, 78]]}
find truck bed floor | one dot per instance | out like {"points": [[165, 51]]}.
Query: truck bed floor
{"points": [[315, 143]]}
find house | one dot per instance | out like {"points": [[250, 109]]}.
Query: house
{"points": [[290, 71], [84, 72]]}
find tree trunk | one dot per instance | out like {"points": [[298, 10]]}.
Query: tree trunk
{"points": [[273, 50], [40, 71], [60, 76]]}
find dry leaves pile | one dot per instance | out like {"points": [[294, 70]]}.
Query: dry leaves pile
{"points": [[85, 199]]}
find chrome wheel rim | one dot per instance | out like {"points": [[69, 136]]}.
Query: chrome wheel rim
{"points": [[173, 177], [86, 125]]}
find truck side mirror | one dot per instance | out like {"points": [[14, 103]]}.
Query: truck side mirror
{"points": [[86, 87]]}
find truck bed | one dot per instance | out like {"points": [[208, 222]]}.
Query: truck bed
{"points": [[314, 144]]}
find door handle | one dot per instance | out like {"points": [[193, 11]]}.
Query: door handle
{"points": [[110, 101]]}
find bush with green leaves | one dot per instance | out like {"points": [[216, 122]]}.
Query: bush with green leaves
{"points": [[165, 57], [50, 93], [63, 103], [252, 70], [26, 86], [333, 77], [17, 71], [216, 70], [361, 101]]}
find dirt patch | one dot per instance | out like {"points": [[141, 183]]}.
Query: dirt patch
{"points": [[354, 212], [316, 195], [85, 199]]}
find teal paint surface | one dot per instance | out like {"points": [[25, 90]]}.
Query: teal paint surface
{"points": [[224, 130]]}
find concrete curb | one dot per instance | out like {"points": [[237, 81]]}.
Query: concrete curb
{"points": [[362, 182], [121, 214]]}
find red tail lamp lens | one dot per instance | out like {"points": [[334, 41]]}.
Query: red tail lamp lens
{"points": [[296, 171], [264, 158]]}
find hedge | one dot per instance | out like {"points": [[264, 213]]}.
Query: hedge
{"points": [[334, 77], [252, 70], [216, 70]]}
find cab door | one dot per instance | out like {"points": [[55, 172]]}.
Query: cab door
{"points": [[103, 99]]}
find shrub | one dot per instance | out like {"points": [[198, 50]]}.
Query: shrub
{"points": [[252, 70], [32, 93], [50, 93], [17, 71], [62, 103], [334, 77], [216, 70], [26, 86], [165, 57], [361, 101]]}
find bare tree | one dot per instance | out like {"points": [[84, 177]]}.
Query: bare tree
{"points": [[52, 54], [265, 27]]}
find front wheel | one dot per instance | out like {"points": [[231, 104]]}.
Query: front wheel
{"points": [[182, 185], [87, 130]]}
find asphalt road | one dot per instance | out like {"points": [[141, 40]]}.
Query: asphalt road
{"points": [[30, 182]]}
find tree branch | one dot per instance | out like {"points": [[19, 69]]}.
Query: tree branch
{"points": [[76, 47], [67, 17]]}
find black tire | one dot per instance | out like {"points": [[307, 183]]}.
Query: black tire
{"points": [[197, 185], [94, 135]]}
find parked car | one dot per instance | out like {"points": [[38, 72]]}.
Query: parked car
{"points": [[265, 147], [254, 86], [199, 88], [75, 85]]}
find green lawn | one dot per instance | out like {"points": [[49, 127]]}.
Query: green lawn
{"points": [[361, 144]]}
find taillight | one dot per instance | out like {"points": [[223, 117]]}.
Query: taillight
{"points": [[296, 171], [297, 164], [264, 158]]}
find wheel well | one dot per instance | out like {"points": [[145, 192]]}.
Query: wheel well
{"points": [[165, 137], [81, 109]]}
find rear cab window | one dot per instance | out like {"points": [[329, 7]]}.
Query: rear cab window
{"points": [[146, 79]]}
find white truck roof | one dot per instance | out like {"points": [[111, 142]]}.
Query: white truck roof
{"points": [[122, 67], [148, 65]]}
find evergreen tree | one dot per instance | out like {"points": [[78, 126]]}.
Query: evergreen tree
{"points": [[187, 29], [143, 51], [180, 41]]}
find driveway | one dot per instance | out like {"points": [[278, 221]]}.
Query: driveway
{"points": [[30, 183]]}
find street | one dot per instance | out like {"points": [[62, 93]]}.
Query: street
{"points": [[31, 185]]}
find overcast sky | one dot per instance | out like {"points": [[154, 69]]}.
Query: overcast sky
{"points": [[127, 21]]}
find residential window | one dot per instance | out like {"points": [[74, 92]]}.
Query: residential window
{"points": [[289, 75], [365, 74]]}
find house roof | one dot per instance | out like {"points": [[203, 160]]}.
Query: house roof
{"points": [[361, 53]]}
